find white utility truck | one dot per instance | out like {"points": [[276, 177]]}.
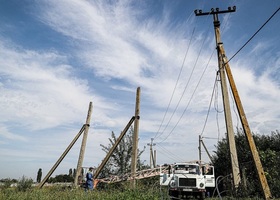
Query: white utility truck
{"points": [[185, 180]]}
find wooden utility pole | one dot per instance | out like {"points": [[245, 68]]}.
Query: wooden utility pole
{"points": [[135, 139], [83, 146], [246, 128], [228, 118], [155, 158], [41, 184], [199, 148], [105, 160], [152, 162], [223, 65]]}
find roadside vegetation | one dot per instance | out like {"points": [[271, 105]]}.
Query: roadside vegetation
{"points": [[108, 192], [268, 148]]}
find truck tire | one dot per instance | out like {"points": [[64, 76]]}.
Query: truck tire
{"points": [[202, 196], [173, 195]]}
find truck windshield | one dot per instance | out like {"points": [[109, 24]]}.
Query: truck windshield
{"points": [[188, 169]]}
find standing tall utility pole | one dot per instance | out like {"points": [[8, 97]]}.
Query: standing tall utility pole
{"points": [[83, 146], [199, 149], [135, 139], [224, 63], [152, 159], [228, 118]]}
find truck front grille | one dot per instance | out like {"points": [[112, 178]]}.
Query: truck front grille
{"points": [[187, 182]]}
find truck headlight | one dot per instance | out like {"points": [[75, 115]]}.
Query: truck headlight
{"points": [[201, 184]]}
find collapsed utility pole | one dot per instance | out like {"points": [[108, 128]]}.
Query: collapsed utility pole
{"points": [[228, 118], [224, 66], [83, 147], [134, 156]]}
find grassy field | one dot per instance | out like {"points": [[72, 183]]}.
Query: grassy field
{"points": [[79, 194], [60, 193], [117, 192]]}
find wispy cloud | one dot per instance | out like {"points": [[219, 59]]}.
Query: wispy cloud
{"points": [[108, 49], [5, 133]]}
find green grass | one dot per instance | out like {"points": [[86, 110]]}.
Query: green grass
{"points": [[114, 192], [60, 193]]}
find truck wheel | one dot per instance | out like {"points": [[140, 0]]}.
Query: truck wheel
{"points": [[202, 196], [173, 195]]}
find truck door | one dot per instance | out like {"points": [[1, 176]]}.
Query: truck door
{"points": [[209, 175]]}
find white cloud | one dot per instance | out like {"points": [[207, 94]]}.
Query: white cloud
{"points": [[116, 47], [5, 133]]}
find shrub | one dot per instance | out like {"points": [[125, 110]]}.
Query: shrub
{"points": [[24, 184], [6, 183]]}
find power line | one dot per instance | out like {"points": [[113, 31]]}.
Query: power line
{"points": [[173, 156], [183, 91], [179, 75], [187, 104], [174, 89], [215, 82], [209, 106], [253, 35], [187, 85]]}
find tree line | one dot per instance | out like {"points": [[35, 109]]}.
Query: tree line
{"points": [[268, 147]]}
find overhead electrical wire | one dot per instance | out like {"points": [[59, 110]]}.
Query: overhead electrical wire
{"points": [[173, 94], [253, 35], [212, 96], [217, 111], [169, 154], [215, 84], [187, 86], [216, 107], [167, 124], [178, 78]]}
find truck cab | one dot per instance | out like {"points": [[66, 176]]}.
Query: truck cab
{"points": [[185, 180]]}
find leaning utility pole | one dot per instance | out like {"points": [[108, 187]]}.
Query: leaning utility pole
{"points": [[223, 64], [105, 160], [134, 156], [83, 147], [246, 128], [84, 130], [228, 118], [42, 183]]}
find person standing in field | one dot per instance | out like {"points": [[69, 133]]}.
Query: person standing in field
{"points": [[89, 179]]}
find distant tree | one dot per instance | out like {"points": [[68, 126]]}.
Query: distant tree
{"points": [[120, 161], [61, 178], [39, 175], [268, 147], [70, 172], [74, 172]]}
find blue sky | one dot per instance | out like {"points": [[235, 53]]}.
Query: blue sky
{"points": [[57, 56]]}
